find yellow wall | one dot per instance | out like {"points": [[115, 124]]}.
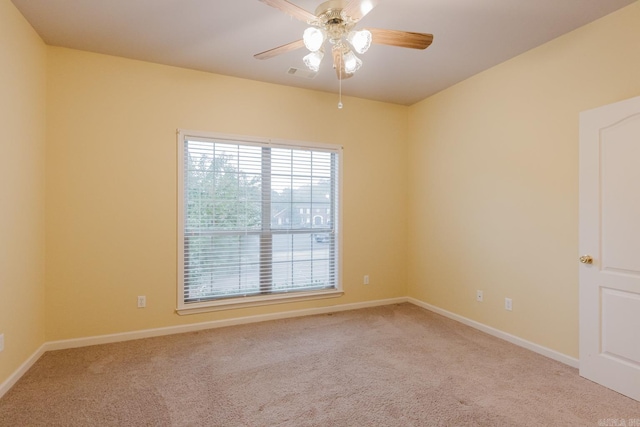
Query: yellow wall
{"points": [[111, 184], [22, 153], [493, 199]]}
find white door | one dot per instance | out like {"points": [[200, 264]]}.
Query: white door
{"points": [[610, 246]]}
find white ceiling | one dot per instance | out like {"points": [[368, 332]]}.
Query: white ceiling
{"points": [[222, 37]]}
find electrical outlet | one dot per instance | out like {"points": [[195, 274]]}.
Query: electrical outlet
{"points": [[142, 301], [1, 342], [508, 304], [366, 279], [479, 296]]}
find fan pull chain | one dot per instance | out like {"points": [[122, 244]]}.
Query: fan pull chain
{"points": [[340, 88]]}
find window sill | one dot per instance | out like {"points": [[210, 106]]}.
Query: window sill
{"points": [[257, 301]]}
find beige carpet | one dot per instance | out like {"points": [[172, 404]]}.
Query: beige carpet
{"points": [[397, 365]]}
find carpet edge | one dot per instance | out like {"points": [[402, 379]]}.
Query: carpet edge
{"points": [[178, 329], [148, 333], [22, 369], [536, 348]]}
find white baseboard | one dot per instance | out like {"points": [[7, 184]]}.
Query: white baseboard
{"points": [[148, 333], [552, 354], [13, 378]]}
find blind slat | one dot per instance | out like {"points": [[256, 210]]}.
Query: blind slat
{"points": [[241, 239]]}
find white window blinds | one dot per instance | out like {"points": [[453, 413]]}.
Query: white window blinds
{"points": [[258, 219]]}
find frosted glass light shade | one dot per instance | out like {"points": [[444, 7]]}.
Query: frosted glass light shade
{"points": [[360, 40], [312, 60], [313, 38], [351, 63]]}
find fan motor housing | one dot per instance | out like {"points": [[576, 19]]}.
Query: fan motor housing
{"points": [[331, 5], [331, 19]]}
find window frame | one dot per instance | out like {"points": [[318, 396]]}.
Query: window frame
{"points": [[255, 300]]}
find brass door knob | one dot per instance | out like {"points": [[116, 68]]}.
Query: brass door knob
{"points": [[586, 259]]}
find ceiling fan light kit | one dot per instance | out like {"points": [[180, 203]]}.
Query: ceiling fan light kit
{"points": [[313, 60], [313, 38], [360, 40], [351, 62], [334, 20]]}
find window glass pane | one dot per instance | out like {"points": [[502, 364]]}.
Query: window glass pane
{"points": [[321, 165], [228, 251], [301, 247], [301, 162], [281, 162], [301, 189], [302, 261], [217, 266], [250, 160], [281, 215], [281, 186], [281, 263]]}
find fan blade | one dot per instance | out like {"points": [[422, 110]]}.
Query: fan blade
{"points": [[338, 64], [401, 38], [291, 9], [357, 9], [279, 50]]}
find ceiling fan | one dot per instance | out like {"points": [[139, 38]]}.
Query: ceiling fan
{"points": [[335, 21]]}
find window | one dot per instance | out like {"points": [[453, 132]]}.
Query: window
{"points": [[244, 237]]}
